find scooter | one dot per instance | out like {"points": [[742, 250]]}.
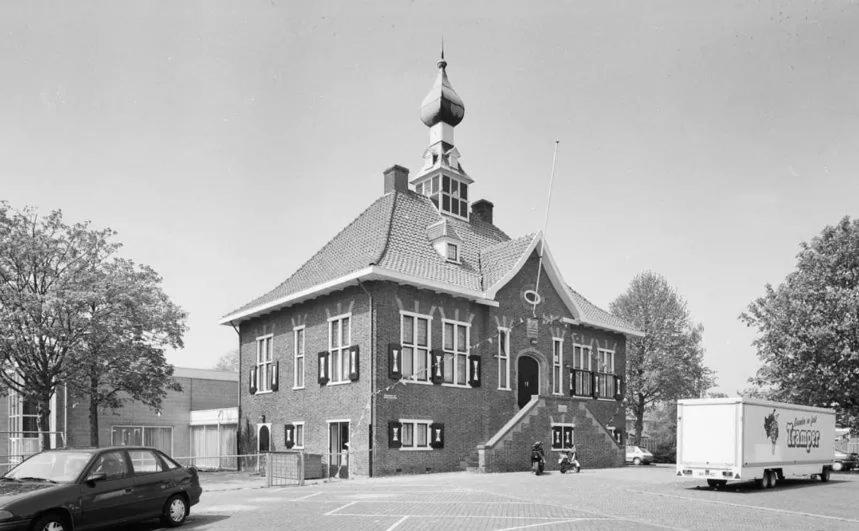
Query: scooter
{"points": [[537, 462], [567, 462]]}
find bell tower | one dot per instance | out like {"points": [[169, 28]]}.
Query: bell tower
{"points": [[442, 177]]}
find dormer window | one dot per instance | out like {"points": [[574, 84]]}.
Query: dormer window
{"points": [[452, 252]]}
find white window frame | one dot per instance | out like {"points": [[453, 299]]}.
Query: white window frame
{"points": [[605, 351], [414, 423], [456, 257], [504, 354], [415, 377], [336, 355], [264, 366], [298, 423], [582, 357], [563, 425], [143, 429], [557, 364], [451, 197], [455, 353], [299, 377]]}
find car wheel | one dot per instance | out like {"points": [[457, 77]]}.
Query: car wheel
{"points": [[636, 461], [51, 522], [175, 511]]}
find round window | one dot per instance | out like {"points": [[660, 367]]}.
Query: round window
{"points": [[532, 297]]}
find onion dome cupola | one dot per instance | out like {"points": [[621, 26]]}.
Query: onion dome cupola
{"points": [[442, 177]]}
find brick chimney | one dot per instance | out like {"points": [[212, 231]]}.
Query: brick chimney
{"points": [[396, 179], [482, 209]]}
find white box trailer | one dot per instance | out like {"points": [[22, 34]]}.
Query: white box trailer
{"points": [[742, 439]]}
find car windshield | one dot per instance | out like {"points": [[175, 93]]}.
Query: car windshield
{"points": [[59, 467]]}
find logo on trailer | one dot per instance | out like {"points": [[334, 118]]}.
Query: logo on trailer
{"points": [[771, 428]]}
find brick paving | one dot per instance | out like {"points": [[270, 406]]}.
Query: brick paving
{"points": [[626, 498]]}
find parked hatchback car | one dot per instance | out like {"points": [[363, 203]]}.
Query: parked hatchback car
{"points": [[66, 489], [638, 456]]}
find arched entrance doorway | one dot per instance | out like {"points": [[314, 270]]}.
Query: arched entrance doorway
{"points": [[528, 375], [263, 439]]}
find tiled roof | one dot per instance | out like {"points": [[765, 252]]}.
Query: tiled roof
{"points": [[596, 316], [392, 235]]}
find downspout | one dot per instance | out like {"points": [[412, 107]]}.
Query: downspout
{"points": [[372, 379], [65, 415], [239, 404]]}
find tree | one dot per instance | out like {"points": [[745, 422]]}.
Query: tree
{"points": [[229, 361], [132, 321], [808, 326], [47, 270], [667, 363]]}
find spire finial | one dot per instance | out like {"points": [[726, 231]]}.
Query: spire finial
{"points": [[441, 62]]}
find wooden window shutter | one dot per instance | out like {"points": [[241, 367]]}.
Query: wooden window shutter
{"points": [[289, 436], [323, 367], [474, 370], [395, 434], [353, 363], [437, 375], [395, 361], [437, 435], [557, 437], [275, 375], [252, 380]]}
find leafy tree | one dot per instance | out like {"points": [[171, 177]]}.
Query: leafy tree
{"points": [[132, 321], [667, 363], [229, 361], [808, 326], [47, 270]]}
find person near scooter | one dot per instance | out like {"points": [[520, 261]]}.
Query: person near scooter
{"points": [[538, 457]]}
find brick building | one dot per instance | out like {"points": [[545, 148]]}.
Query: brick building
{"points": [[423, 338], [168, 429]]}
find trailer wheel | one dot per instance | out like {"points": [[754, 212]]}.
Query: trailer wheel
{"points": [[716, 483], [824, 475], [773, 478]]}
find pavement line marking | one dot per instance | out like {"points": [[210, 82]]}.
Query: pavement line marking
{"points": [[484, 517], [331, 512], [548, 523], [305, 497], [756, 507], [398, 522]]}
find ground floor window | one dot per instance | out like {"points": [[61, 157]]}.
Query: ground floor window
{"points": [[23, 426], [416, 434], [338, 447], [160, 437]]}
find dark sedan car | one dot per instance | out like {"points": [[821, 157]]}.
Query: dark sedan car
{"points": [[83, 488]]}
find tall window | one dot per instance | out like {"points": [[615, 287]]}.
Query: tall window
{"points": [[264, 363], [23, 426], [415, 337], [299, 434], [557, 361], [582, 357], [504, 358], [455, 345], [160, 437], [298, 357], [606, 360], [339, 341]]}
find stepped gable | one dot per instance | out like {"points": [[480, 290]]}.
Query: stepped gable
{"points": [[359, 244]]}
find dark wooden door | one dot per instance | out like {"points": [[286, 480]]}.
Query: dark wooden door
{"points": [[528, 373]]}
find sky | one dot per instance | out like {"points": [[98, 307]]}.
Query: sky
{"points": [[226, 142]]}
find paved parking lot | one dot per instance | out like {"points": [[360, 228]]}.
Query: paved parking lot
{"points": [[627, 498]]}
